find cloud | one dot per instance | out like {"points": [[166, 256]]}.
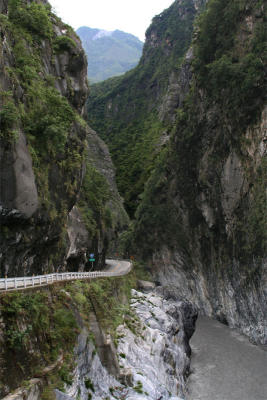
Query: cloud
{"points": [[126, 15]]}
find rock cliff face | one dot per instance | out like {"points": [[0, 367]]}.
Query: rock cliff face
{"points": [[43, 142], [151, 359], [199, 124], [61, 349], [203, 215]]}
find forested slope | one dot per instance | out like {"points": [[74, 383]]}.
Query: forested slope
{"points": [[128, 112]]}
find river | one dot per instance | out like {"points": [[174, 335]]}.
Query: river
{"points": [[225, 365]]}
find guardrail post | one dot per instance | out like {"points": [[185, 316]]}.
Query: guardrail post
{"points": [[24, 280], [6, 283]]}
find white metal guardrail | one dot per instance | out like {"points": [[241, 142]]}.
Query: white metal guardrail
{"points": [[43, 280]]}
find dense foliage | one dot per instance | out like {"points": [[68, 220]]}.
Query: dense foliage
{"points": [[231, 75], [94, 196], [63, 43], [43, 113], [33, 17], [125, 111], [226, 97], [39, 320]]}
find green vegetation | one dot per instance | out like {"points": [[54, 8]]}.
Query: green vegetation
{"points": [[125, 111], [109, 55], [56, 322], [42, 326], [105, 295], [8, 120], [252, 227], [49, 118], [139, 387], [226, 96], [33, 17], [55, 131], [95, 193], [64, 43], [232, 75], [89, 385], [135, 161], [65, 374]]}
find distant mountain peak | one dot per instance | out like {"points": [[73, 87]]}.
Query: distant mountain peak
{"points": [[102, 33], [109, 53]]}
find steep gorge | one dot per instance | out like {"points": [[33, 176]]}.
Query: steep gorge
{"points": [[59, 202], [134, 113], [187, 132], [201, 220]]}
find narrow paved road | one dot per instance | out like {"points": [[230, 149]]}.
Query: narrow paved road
{"points": [[118, 266], [225, 365], [115, 268]]}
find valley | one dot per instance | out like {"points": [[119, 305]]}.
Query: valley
{"points": [[163, 168]]}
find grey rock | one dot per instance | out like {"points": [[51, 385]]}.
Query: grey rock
{"points": [[17, 181], [226, 300], [78, 240], [62, 396], [146, 286], [232, 181], [179, 85], [202, 260], [32, 392], [152, 357], [157, 354]]}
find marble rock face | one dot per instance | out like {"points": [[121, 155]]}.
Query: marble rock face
{"points": [[152, 352]]}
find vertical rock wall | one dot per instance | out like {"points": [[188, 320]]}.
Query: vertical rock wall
{"points": [[201, 224], [45, 146]]}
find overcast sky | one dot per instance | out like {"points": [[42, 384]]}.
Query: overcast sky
{"points": [[132, 16]]}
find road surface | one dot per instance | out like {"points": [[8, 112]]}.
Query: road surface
{"points": [[115, 268], [225, 365], [118, 266]]}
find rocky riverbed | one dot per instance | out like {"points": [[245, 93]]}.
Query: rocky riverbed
{"points": [[152, 353]]}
